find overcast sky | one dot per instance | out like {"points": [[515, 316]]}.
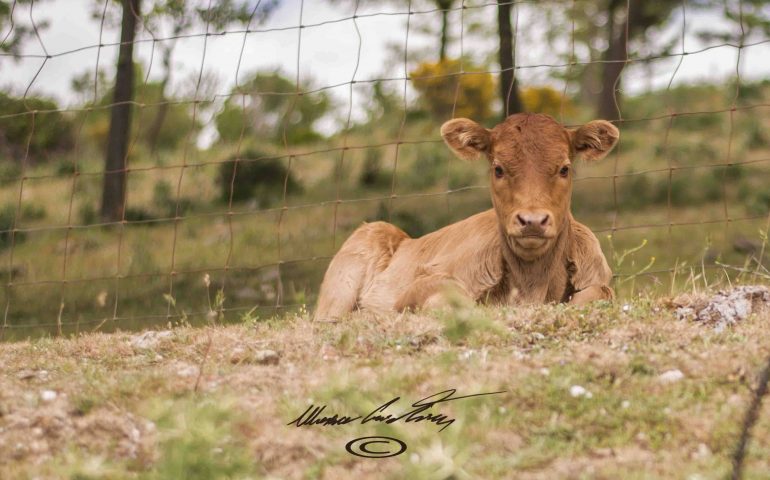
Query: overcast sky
{"points": [[328, 53]]}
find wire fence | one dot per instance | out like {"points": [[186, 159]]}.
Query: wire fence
{"points": [[70, 269], [205, 256]]}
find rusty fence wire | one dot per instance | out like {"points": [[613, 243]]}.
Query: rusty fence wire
{"points": [[202, 259]]}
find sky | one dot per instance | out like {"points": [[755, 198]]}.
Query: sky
{"points": [[332, 50]]}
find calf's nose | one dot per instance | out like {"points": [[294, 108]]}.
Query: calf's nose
{"points": [[534, 218]]}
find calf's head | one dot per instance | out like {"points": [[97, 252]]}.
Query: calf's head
{"points": [[530, 169]]}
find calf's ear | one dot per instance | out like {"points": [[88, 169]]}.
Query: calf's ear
{"points": [[466, 138], [594, 140]]}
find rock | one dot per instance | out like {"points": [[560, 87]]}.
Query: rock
{"points": [[150, 339], [744, 245], [671, 376], [579, 391], [48, 395], [725, 307], [239, 355], [703, 451], [266, 357], [187, 370]]}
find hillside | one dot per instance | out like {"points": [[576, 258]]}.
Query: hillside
{"points": [[623, 390]]}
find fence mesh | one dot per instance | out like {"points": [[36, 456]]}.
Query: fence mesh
{"points": [[681, 203]]}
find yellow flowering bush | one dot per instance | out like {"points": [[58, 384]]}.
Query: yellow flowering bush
{"points": [[437, 84], [546, 100]]}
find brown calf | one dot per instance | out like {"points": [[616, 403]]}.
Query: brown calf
{"points": [[527, 249]]}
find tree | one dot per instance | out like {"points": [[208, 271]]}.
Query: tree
{"points": [[445, 6], [179, 124], [749, 19], [271, 107], [626, 21], [509, 90], [114, 191], [182, 15], [11, 39]]}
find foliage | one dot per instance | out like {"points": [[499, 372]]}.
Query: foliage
{"points": [[257, 177], [46, 132], [267, 107], [12, 32], [7, 221], [546, 100], [748, 19], [446, 92], [178, 125], [371, 173], [597, 29]]}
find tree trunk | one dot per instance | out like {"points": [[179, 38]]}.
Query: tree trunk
{"points": [[444, 28], [114, 192], [160, 115], [509, 89], [444, 5], [615, 58]]}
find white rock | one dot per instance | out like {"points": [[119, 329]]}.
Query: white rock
{"points": [[48, 395], [671, 376], [545, 372], [625, 404], [150, 339], [703, 451], [467, 354], [579, 391], [187, 371], [266, 357], [727, 306]]}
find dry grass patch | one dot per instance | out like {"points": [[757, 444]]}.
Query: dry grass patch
{"points": [[214, 402]]}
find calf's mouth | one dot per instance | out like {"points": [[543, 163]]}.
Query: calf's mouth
{"points": [[530, 242]]}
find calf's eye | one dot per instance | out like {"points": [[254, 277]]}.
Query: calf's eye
{"points": [[564, 171], [499, 171]]}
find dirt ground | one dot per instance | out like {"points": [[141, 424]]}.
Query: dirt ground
{"points": [[616, 390]]}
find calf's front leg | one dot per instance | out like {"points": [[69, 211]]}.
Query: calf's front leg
{"points": [[592, 293], [433, 291]]}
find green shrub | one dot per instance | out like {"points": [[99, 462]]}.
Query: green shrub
{"points": [[65, 168], [698, 121], [7, 217], [760, 203], [271, 116], [88, 214], [40, 134], [711, 187], [634, 191], [371, 173], [9, 173], [138, 214], [426, 170], [31, 211], [256, 178]]}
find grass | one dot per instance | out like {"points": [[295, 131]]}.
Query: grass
{"points": [[667, 188], [120, 275], [198, 402]]}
